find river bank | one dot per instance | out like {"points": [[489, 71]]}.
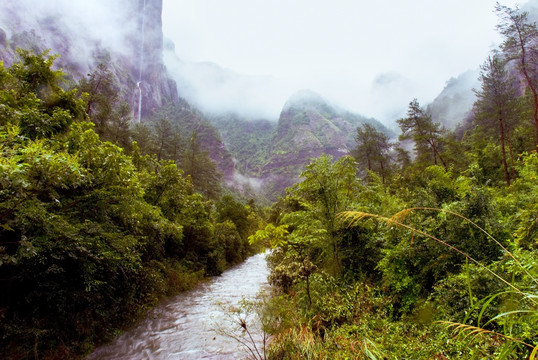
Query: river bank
{"points": [[185, 326]]}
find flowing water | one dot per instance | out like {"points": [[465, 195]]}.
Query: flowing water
{"points": [[183, 327], [139, 100]]}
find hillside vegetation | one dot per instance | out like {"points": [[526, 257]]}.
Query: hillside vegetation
{"points": [[423, 248], [95, 228], [429, 253]]}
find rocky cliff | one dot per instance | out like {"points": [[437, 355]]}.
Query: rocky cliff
{"points": [[127, 35], [156, 86]]}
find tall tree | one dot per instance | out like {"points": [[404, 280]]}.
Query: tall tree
{"points": [[496, 104], [372, 149], [102, 95], [105, 108], [419, 127], [141, 133], [163, 137], [520, 39], [327, 189], [119, 126], [202, 170], [178, 145]]}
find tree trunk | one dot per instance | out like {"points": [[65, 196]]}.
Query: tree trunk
{"points": [[505, 163], [512, 168], [436, 154], [382, 171], [523, 62], [534, 97]]}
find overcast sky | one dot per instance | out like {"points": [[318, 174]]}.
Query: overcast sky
{"points": [[369, 56]]}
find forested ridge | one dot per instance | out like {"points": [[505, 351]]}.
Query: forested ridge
{"points": [[421, 247]]}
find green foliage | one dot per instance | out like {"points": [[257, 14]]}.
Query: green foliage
{"points": [[89, 235], [449, 263], [167, 188], [271, 236], [520, 35], [354, 323], [451, 276], [249, 141], [238, 214], [426, 135], [372, 150], [95, 228], [525, 203], [179, 133], [201, 169], [32, 86], [227, 237], [328, 188], [104, 106]]}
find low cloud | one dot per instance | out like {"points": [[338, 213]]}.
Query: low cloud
{"points": [[394, 91], [216, 90], [74, 29], [246, 182]]}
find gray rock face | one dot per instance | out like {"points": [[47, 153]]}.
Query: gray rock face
{"points": [[125, 34], [157, 87]]}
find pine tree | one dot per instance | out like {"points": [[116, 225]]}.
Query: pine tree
{"points": [[162, 131], [496, 104], [105, 108], [372, 149], [520, 39], [419, 127], [202, 170]]}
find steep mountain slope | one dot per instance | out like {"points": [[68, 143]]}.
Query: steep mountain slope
{"points": [[191, 122], [248, 140], [452, 106], [269, 156], [308, 127], [126, 35]]}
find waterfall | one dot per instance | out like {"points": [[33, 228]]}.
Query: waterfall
{"points": [[139, 100], [141, 60]]}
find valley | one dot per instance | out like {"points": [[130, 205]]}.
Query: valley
{"points": [[141, 189]]}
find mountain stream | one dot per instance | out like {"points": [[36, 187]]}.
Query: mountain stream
{"points": [[183, 327]]}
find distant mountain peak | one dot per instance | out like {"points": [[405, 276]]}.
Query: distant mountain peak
{"points": [[304, 98], [452, 106]]}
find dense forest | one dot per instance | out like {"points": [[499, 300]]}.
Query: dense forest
{"points": [[422, 247], [94, 227]]}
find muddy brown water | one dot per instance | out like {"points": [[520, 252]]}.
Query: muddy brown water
{"points": [[183, 327]]}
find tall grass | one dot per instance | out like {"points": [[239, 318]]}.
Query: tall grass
{"points": [[524, 315]]}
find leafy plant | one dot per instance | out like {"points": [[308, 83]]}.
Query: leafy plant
{"points": [[519, 320]]}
